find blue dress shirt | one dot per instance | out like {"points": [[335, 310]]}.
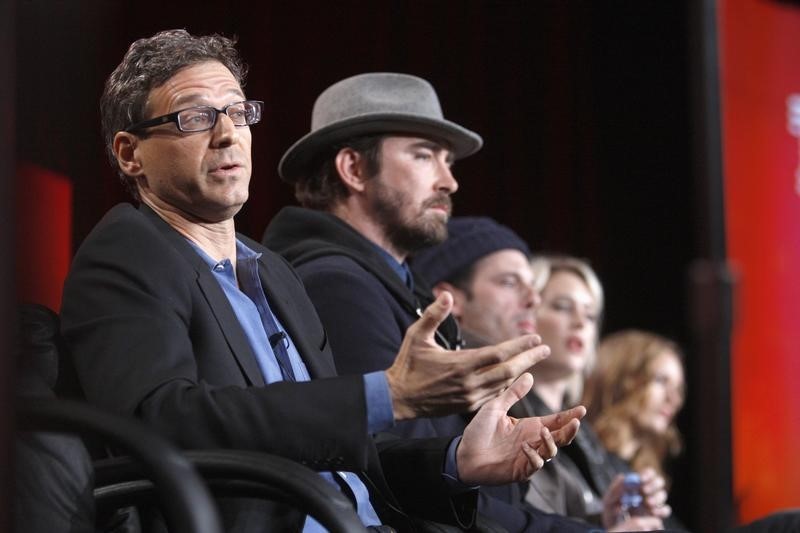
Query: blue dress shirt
{"points": [[401, 269], [248, 300]]}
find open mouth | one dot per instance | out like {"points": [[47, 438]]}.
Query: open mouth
{"points": [[225, 170], [574, 344]]}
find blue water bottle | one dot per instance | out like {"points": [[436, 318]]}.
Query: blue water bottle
{"points": [[631, 500]]}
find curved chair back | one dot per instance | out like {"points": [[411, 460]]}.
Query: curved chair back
{"points": [[187, 504], [240, 473]]}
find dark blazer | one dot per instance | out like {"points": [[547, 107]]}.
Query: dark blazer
{"points": [[152, 335]]}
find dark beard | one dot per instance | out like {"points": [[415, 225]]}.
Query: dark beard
{"points": [[408, 236]]}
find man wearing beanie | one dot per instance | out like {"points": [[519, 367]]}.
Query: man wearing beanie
{"points": [[486, 267], [374, 179]]}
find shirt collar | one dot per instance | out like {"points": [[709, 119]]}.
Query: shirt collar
{"points": [[401, 269], [243, 253]]}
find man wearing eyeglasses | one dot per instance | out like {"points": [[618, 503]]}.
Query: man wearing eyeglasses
{"points": [[172, 316]]}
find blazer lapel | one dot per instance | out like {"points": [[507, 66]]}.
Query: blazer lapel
{"points": [[282, 301], [217, 301], [230, 326]]}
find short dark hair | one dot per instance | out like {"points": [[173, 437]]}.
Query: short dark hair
{"points": [[149, 63], [322, 187]]}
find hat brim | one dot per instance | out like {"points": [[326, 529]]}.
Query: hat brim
{"points": [[294, 163]]}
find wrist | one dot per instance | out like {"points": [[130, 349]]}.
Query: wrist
{"points": [[401, 411], [401, 408]]}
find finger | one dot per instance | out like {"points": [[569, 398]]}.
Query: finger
{"points": [[488, 384], [647, 473], [566, 433], [615, 487], [514, 393], [646, 523], [561, 418], [495, 365], [433, 316], [547, 448], [662, 511], [638, 523], [487, 393], [654, 484], [657, 499], [488, 357], [535, 462]]}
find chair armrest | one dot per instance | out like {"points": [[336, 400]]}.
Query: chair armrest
{"points": [[191, 508], [239, 473]]}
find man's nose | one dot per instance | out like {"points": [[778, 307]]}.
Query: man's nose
{"points": [[224, 132], [531, 297], [446, 182]]}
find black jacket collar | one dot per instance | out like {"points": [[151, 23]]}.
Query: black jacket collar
{"points": [[301, 235]]}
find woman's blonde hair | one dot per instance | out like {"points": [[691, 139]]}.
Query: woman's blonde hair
{"points": [[544, 266], [615, 391]]}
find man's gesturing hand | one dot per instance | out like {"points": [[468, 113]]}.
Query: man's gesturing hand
{"points": [[427, 380], [498, 449]]}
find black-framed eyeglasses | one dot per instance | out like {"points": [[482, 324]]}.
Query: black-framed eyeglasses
{"points": [[204, 117]]}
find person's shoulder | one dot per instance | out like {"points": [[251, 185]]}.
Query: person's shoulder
{"points": [[125, 222], [128, 236], [119, 227], [120, 214], [338, 273], [334, 262]]}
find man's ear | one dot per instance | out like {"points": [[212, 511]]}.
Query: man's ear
{"points": [[350, 166], [459, 297], [124, 147]]}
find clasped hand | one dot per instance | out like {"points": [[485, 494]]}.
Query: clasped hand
{"points": [[655, 506]]}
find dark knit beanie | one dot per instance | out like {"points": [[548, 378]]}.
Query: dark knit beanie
{"points": [[469, 239]]}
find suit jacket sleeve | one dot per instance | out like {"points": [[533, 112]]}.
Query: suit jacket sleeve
{"points": [[145, 342], [413, 468]]}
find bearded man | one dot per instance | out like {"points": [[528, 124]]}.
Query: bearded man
{"points": [[374, 179]]}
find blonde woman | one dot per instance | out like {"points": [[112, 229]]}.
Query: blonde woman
{"points": [[583, 481]]}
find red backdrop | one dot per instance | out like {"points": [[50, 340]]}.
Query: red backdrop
{"points": [[760, 53], [43, 234]]}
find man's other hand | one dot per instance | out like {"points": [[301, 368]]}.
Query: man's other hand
{"points": [[497, 449]]}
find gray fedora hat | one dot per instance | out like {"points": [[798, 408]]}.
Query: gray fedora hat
{"points": [[377, 102]]}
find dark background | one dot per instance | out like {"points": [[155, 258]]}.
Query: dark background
{"points": [[584, 107]]}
